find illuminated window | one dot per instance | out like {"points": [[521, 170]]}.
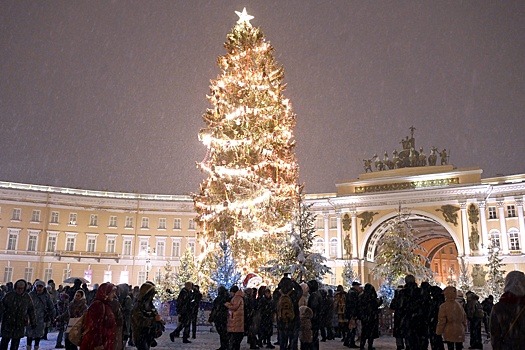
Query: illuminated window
{"points": [[333, 247]]}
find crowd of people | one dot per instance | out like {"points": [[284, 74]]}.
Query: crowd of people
{"points": [[301, 314]]}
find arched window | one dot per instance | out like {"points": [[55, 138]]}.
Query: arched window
{"points": [[514, 239], [333, 247], [494, 237], [319, 245]]}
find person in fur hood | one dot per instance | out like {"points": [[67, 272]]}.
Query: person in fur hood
{"points": [[507, 320], [452, 320]]}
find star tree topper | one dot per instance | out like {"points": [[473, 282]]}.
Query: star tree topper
{"points": [[244, 17]]}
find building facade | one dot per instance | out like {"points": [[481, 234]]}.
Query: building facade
{"points": [[58, 233]]}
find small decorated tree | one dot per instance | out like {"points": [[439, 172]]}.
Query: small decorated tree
{"points": [[464, 280], [166, 283], [495, 279], [349, 275], [225, 273], [187, 271]]}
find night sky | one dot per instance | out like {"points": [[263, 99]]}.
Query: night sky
{"points": [[108, 95]]}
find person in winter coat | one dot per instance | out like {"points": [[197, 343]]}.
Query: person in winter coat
{"points": [[62, 318], [146, 323], [184, 310], [411, 313], [368, 312], [235, 318], [475, 314], [507, 320], [44, 311], [100, 326], [351, 312], [77, 307], [16, 307], [315, 302], [327, 315], [126, 305], [487, 305], [219, 316], [119, 320], [288, 332], [339, 309], [437, 298], [305, 334], [452, 320], [397, 330], [266, 310]]}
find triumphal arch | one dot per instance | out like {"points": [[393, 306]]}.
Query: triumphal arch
{"points": [[455, 212]]}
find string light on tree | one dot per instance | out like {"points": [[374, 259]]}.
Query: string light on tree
{"points": [[251, 188]]}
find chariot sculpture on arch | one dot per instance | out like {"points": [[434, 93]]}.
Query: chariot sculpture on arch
{"points": [[409, 156]]}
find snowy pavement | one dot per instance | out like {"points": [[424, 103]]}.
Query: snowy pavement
{"points": [[207, 340]]}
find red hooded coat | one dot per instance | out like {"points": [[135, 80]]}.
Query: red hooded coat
{"points": [[100, 322]]}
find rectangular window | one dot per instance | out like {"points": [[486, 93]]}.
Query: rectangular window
{"points": [[319, 223], [191, 247], [54, 217], [162, 223], [175, 249], [141, 278], [191, 224], [17, 214], [28, 273], [8, 274], [51, 243], [127, 247], [511, 211], [161, 247], [66, 273], [35, 217], [436, 268], [70, 243], [143, 247], [112, 221], [333, 222], [31, 243], [12, 241], [145, 223], [91, 242], [176, 224], [514, 241], [129, 222], [48, 274], [110, 245], [93, 220], [492, 213], [72, 218], [108, 276]]}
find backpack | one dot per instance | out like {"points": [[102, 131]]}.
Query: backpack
{"points": [[285, 311]]}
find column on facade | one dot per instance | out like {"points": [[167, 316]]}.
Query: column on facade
{"points": [[504, 238], [484, 231], [339, 236], [464, 227], [519, 205], [326, 235], [354, 235]]}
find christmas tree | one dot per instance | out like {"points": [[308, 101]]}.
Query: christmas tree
{"points": [[464, 280], [225, 273], [251, 187], [399, 254], [495, 279], [295, 254], [187, 271], [349, 275], [166, 283]]}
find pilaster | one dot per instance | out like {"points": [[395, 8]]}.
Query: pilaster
{"points": [[464, 228], [504, 237]]}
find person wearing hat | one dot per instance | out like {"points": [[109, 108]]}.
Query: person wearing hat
{"points": [[339, 307], [44, 312], [146, 323], [352, 298], [16, 308]]}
